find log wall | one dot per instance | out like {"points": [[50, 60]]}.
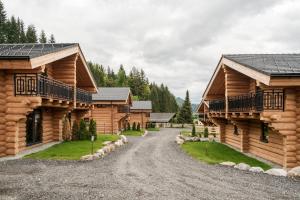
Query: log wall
{"points": [[2, 114], [230, 138], [236, 83], [140, 117], [298, 127]]}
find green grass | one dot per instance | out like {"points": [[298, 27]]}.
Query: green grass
{"points": [[133, 133], [72, 150], [153, 129], [217, 153]]}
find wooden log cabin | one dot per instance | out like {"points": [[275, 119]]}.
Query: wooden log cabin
{"points": [[140, 112], [255, 100], [111, 109], [40, 84], [161, 119]]}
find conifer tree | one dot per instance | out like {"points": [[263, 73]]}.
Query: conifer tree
{"points": [[31, 34], [52, 39], [2, 23], [43, 38], [185, 114], [121, 82], [12, 31]]}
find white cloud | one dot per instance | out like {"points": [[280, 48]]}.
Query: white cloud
{"points": [[176, 42]]}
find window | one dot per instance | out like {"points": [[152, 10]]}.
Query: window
{"points": [[236, 130], [264, 132]]}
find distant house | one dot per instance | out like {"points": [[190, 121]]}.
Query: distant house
{"points": [[255, 100], [161, 119], [111, 108], [40, 85], [140, 112]]}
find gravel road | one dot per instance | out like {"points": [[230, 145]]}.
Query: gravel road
{"points": [[151, 167]]}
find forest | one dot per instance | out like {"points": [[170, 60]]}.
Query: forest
{"points": [[13, 30], [162, 99]]}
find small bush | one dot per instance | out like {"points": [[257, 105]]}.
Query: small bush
{"points": [[75, 131], [93, 129], [128, 126], [134, 126], [194, 131], [205, 134], [82, 130], [138, 128]]}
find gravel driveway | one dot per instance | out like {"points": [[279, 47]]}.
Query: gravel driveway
{"points": [[153, 167]]}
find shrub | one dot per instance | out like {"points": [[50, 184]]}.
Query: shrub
{"points": [[66, 132], [75, 131], [128, 126], [134, 126], [82, 130], [93, 129], [194, 131], [138, 128], [205, 134]]}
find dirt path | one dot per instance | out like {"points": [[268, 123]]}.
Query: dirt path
{"points": [[153, 167]]}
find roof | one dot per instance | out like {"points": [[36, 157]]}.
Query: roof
{"points": [[28, 51], [141, 105], [269, 64], [112, 94], [161, 117]]}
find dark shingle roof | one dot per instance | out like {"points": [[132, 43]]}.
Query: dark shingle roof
{"points": [[161, 117], [112, 94], [270, 64], [141, 105], [27, 51]]}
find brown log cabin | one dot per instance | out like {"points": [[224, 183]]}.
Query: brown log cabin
{"points": [[111, 108], [39, 85], [140, 112], [255, 100]]}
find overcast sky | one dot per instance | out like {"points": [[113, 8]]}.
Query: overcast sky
{"points": [[176, 42]]}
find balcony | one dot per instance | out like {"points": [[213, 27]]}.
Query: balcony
{"points": [[123, 109], [264, 100], [39, 85]]}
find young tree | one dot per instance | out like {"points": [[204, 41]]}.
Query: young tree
{"points": [[52, 39], [93, 129], [31, 34], [194, 131], [43, 38], [128, 128], [185, 113], [134, 126], [138, 128], [2, 23], [82, 130]]}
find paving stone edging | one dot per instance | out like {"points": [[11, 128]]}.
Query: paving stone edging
{"points": [[108, 147]]}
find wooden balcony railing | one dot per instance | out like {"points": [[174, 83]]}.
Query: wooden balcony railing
{"points": [[264, 100], [39, 85]]}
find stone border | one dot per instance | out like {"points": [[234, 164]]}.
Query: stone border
{"points": [[109, 146], [145, 133], [180, 139], [294, 172]]}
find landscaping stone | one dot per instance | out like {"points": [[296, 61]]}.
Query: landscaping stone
{"points": [[107, 143], [106, 149], [242, 166], [124, 139], [276, 172], [204, 139], [228, 163], [87, 157], [256, 169], [101, 152], [294, 172], [179, 140]]}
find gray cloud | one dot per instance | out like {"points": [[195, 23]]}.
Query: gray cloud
{"points": [[176, 42]]}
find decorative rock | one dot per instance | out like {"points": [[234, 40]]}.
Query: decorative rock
{"points": [[242, 166], [101, 152], [123, 138], [87, 157], [97, 155], [179, 140], [106, 149], [256, 169], [117, 143], [107, 143], [294, 172], [204, 139], [276, 172], [230, 164]]}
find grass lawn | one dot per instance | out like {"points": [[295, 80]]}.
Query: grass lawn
{"points": [[133, 133], [153, 129], [72, 150], [217, 153]]}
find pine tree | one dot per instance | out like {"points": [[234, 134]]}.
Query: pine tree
{"points": [[52, 39], [75, 131], [12, 31], [121, 80], [31, 34], [43, 38], [185, 114], [2, 23], [22, 35]]}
